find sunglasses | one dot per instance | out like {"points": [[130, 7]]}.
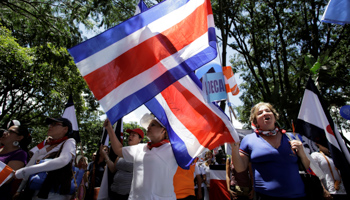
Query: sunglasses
{"points": [[9, 132], [53, 124]]}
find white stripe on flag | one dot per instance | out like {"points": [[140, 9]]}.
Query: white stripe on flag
{"points": [[108, 54], [6, 173], [69, 113], [311, 111], [129, 87], [217, 174]]}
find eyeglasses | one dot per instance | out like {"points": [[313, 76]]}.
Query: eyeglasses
{"points": [[10, 132], [53, 124]]}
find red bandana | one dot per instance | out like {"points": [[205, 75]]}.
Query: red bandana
{"points": [[150, 146], [53, 142]]}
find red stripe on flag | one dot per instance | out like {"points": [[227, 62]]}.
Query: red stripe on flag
{"points": [[218, 190], [329, 130], [209, 129], [147, 54], [5, 173]]}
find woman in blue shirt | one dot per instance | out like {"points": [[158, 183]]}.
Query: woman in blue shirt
{"points": [[273, 157]]}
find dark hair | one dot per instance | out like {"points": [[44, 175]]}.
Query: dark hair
{"points": [[27, 138]]}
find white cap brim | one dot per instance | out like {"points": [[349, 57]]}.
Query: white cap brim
{"points": [[146, 120]]}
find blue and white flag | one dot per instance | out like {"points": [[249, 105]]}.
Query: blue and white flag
{"points": [[338, 12]]}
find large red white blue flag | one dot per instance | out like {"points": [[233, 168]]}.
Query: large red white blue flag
{"points": [[132, 62], [193, 124], [314, 121], [338, 12]]}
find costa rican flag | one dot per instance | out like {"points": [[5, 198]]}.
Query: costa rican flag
{"points": [[230, 81], [193, 125], [314, 121], [132, 62], [6, 173]]}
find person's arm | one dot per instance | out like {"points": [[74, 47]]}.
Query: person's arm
{"points": [[199, 183], [228, 178], [240, 161], [56, 163], [116, 145], [297, 146], [109, 162]]}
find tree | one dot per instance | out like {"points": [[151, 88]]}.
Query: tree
{"points": [[276, 42]]}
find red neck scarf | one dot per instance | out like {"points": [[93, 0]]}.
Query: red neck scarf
{"points": [[150, 146], [53, 142]]}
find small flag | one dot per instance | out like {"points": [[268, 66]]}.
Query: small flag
{"points": [[315, 122], [231, 84], [6, 173], [107, 178], [218, 186], [69, 113], [132, 62], [338, 12]]}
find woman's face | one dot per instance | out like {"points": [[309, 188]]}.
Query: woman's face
{"points": [[10, 135], [82, 163], [155, 132], [265, 119], [57, 130], [133, 139]]}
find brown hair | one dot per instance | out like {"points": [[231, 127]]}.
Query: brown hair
{"points": [[255, 109]]}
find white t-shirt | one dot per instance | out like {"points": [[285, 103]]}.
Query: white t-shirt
{"points": [[153, 172], [328, 181]]}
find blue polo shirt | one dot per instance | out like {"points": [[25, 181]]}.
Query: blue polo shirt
{"points": [[275, 171]]}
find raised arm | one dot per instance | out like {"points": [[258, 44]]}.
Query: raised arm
{"points": [[240, 161], [116, 145]]}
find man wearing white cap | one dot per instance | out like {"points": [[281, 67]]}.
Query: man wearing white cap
{"points": [[154, 162]]}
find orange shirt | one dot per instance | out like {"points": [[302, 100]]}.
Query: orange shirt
{"points": [[184, 182]]}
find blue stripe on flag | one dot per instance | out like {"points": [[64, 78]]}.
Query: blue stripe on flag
{"points": [[179, 148], [122, 30], [131, 102]]}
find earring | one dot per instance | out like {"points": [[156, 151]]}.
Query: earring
{"points": [[15, 143]]}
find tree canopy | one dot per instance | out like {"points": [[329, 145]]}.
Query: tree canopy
{"points": [[278, 45]]}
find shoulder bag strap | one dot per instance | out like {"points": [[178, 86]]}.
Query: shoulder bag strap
{"points": [[329, 165]]}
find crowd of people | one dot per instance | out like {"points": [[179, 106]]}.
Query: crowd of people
{"points": [[263, 166]]}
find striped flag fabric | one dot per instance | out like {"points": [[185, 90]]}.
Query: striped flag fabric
{"points": [[132, 62], [107, 178], [231, 84], [141, 7], [218, 186], [193, 124], [6, 173], [337, 12], [314, 121], [69, 113]]}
